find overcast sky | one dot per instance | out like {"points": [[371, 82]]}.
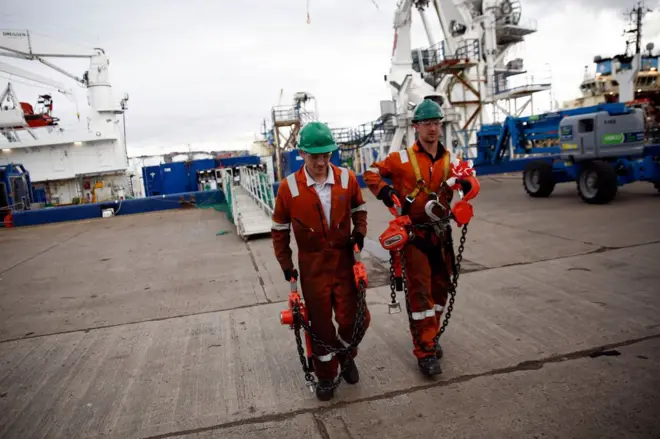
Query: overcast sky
{"points": [[206, 73]]}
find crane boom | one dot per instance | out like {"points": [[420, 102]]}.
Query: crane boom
{"points": [[22, 44], [17, 71], [31, 46]]}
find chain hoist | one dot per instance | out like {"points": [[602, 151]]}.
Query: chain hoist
{"points": [[400, 233], [297, 318]]}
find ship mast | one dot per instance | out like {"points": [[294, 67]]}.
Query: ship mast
{"points": [[636, 15]]}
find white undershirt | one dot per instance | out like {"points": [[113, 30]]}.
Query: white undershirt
{"points": [[324, 191]]}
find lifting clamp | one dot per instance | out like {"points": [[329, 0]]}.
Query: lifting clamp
{"points": [[400, 229]]}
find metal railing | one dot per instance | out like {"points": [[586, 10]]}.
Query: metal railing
{"points": [[227, 184], [431, 57], [289, 113], [258, 185]]}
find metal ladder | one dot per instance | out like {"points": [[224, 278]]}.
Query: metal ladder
{"points": [[249, 194]]}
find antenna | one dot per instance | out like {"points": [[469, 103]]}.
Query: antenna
{"points": [[636, 15]]}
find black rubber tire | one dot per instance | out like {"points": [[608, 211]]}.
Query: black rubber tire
{"points": [[606, 183], [546, 179]]}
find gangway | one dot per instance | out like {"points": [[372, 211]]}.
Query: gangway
{"points": [[249, 194]]}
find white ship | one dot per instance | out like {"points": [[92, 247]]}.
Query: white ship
{"points": [[631, 77], [81, 164]]}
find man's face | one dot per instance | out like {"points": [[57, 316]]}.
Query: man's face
{"points": [[428, 130], [316, 163]]}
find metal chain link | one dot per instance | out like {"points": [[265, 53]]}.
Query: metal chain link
{"points": [[358, 333], [452, 291]]}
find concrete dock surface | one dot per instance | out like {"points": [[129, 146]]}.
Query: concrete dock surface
{"points": [[157, 326]]}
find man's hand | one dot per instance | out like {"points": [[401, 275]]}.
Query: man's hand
{"points": [[385, 195], [357, 238], [290, 273]]}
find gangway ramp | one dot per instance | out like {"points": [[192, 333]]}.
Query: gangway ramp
{"points": [[249, 193]]}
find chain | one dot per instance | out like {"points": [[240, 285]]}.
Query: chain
{"points": [[357, 335], [392, 281], [452, 291], [454, 281], [301, 353]]}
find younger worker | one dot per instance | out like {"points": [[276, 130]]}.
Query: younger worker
{"points": [[418, 173], [319, 201]]}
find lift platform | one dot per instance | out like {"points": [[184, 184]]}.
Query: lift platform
{"points": [[600, 148], [249, 193]]}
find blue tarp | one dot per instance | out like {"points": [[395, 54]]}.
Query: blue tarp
{"points": [[56, 214], [124, 207]]}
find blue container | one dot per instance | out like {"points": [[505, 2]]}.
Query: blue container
{"points": [[175, 178], [40, 195], [153, 182]]}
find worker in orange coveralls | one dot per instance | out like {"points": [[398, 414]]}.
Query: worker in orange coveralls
{"points": [[318, 202], [418, 173]]}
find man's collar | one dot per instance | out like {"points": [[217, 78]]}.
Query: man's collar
{"points": [[418, 147], [310, 180]]}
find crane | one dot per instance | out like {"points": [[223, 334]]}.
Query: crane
{"points": [[64, 161], [465, 72], [24, 45]]}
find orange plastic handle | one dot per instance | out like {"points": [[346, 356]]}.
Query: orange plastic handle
{"points": [[475, 187], [397, 203]]}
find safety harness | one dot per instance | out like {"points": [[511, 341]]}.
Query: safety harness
{"points": [[420, 183], [398, 277]]}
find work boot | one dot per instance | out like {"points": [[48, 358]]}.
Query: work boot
{"points": [[429, 365], [351, 374], [324, 390], [438, 352]]}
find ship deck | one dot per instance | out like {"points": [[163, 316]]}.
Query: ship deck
{"points": [[159, 325]]}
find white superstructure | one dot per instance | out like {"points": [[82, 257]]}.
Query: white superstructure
{"points": [[86, 161], [467, 71]]}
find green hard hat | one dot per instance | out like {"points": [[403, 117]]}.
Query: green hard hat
{"points": [[428, 109], [316, 138]]}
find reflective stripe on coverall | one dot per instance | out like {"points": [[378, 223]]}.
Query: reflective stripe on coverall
{"points": [[429, 261], [325, 256]]}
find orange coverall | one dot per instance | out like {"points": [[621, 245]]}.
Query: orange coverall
{"points": [[325, 256], [428, 271]]}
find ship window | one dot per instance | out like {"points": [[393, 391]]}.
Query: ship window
{"points": [[586, 125]]}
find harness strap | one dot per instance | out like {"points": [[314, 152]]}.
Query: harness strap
{"points": [[421, 184]]}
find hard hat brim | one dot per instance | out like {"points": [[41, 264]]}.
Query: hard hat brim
{"points": [[320, 149], [427, 118]]}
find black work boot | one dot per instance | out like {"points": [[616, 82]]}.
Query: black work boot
{"points": [[429, 365], [438, 352], [351, 374], [324, 390]]}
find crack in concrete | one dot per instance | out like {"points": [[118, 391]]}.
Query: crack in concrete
{"points": [[320, 426], [346, 429], [520, 367], [256, 268], [537, 232], [137, 322], [598, 250], [42, 252], [269, 302]]}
